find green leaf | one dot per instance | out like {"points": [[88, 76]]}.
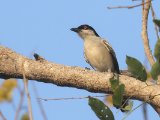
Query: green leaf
{"points": [[25, 116], [128, 107], [118, 96], [157, 22], [136, 68], [157, 50], [101, 110], [155, 71], [114, 84]]}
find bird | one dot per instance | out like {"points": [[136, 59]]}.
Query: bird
{"points": [[98, 53]]}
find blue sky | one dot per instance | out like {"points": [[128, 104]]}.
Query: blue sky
{"points": [[43, 26]]}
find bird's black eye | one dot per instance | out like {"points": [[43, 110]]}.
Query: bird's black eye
{"points": [[85, 27]]}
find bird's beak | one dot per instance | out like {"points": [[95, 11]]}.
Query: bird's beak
{"points": [[75, 30]]}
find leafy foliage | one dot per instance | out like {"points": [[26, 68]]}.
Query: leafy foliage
{"points": [[157, 22], [118, 96], [6, 90], [101, 110], [157, 50], [118, 90], [25, 116], [136, 68], [155, 71], [128, 107], [114, 83]]}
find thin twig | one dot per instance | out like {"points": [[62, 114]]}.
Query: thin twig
{"points": [[145, 113], [136, 0], [144, 106], [70, 98], [20, 103], [39, 102], [154, 17], [2, 116], [144, 33], [27, 94], [143, 1], [138, 107], [133, 110], [129, 7]]}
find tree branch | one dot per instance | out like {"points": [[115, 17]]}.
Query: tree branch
{"points": [[2, 116], [129, 6], [72, 98], [20, 103], [43, 113], [144, 33], [60, 75], [25, 80]]}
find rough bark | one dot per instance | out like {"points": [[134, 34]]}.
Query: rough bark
{"points": [[12, 65]]}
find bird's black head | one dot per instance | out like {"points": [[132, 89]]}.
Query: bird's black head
{"points": [[85, 30]]}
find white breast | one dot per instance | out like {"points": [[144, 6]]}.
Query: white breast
{"points": [[97, 54]]}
